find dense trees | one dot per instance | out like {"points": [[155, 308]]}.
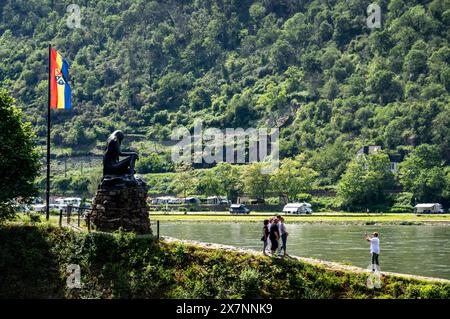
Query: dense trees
{"points": [[256, 181], [292, 178], [365, 181], [230, 180], [311, 68], [423, 174], [210, 185], [154, 163], [235, 64], [185, 181], [19, 161]]}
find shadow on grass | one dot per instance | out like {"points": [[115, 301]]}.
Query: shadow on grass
{"points": [[28, 268]]}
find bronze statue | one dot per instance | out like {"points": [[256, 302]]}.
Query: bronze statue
{"points": [[112, 165], [121, 199]]}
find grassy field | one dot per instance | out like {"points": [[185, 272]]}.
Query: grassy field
{"points": [[53, 220], [332, 218], [319, 217]]}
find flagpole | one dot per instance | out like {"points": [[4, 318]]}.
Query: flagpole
{"points": [[48, 134]]}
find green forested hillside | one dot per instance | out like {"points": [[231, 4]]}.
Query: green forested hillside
{"points": [[312, 68]]}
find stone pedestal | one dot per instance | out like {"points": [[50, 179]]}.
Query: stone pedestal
{"points": [[121, 201]]}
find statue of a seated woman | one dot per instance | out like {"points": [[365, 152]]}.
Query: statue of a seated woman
{"points": [[112, 165]]}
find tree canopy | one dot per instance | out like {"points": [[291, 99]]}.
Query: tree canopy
{"points": [[149, 66], [365, 181], [19, 159], [423, 174], [311, 68]]}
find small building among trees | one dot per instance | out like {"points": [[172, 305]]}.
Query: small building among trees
{"points": [[394, 159]]}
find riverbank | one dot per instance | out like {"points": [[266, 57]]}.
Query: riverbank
{"points": [[329, 218], [328, 265], [34, 261], [320, 218]]}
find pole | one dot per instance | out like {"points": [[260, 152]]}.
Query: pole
{"points": [[68, 213], [157, 230], [48, 134]]}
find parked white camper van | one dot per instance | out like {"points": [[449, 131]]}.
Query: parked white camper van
{"points": [[297, 208], [429, 208]]}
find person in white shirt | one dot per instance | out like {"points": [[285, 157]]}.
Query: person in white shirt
{"points": [[283, 234], [374, 249]]}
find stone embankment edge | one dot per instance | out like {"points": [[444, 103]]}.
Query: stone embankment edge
{"points": [[329, 265]]}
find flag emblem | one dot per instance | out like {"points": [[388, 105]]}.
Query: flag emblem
{"points": [[60, 91]]}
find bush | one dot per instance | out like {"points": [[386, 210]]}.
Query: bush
{"points": [[7, 212], [34, 218], [403, 199], [249, 283], [304, 197], [433, 291], [75, 184], [272, 201], [154, 163], [324, 203], [401, 209], [33, 261]]}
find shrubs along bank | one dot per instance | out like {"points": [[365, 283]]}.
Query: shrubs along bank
{"points": [[34, 260]]}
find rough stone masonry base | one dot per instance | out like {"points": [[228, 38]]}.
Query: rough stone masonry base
{"points": [[122, 207]]}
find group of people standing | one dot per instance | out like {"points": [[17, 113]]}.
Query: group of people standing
{"points": [[274, 235], [274, 232]]}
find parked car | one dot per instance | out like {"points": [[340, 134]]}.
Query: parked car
{"points": [[298, 208], [39, 208], [21, 208], [217, 200], [166, 200], [63, 202], [37, 200], [192, 200], [239, 209]]}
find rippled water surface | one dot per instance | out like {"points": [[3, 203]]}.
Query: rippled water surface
{"points": [[418, 250]]}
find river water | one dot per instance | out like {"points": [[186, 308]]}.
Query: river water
{"points": [[418, 250]]}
